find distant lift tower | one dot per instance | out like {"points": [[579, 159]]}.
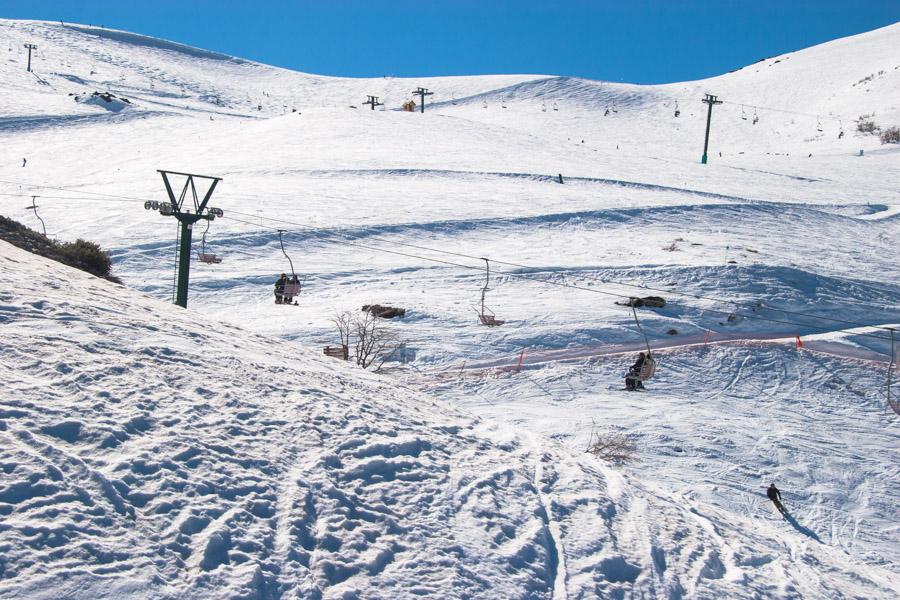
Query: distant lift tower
{"points": [[373, 102], [176, 207], [710, 100], [422, 92], [30, 48]]}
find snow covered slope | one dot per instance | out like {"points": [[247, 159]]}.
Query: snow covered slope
{"points": [[117, 473], [149, 452]]}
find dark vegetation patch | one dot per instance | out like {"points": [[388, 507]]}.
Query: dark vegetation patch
{"points": [[648, 301], [385, 312], [80, 254]]}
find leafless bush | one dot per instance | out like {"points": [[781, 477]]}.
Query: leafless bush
{"points": [[344, 323], [371, 340], [866, 125], [613, 447], [374, 341], [891, 135]]}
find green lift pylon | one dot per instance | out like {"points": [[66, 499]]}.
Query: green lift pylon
{"points": [[710, 100], [186, 218], [421, 93]]}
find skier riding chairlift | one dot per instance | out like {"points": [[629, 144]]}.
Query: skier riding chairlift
{"points": [[286, 288], [644, 367], [642, 370]]}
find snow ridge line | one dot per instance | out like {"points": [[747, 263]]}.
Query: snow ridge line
{"points": [[533, 176]]}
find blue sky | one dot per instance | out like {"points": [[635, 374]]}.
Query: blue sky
{"points": [[640, 41]]}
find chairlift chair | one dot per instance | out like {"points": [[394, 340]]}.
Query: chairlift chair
{"points": [[648, 369], [755, 117], [204, 256], [818, 124], [677, 111], [543, 107], [486, 316], [292, 287], [743, 114]]}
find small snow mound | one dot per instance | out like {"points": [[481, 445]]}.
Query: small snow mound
{"points": [[216, 552], [68, 431]]}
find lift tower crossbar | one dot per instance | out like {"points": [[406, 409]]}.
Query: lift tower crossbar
{"points": [[422, 92], [186, 215], [373, 102]]}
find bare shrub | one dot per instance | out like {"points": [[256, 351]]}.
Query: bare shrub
{"points": [[371, 340], [613, 447], [866, 125], [891, 135], [343, 321]]}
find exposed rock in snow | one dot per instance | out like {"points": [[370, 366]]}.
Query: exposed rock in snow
{"points": [[105, 100]]}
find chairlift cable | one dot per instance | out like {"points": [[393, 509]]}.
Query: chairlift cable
{"points": [[641, 329], [640, 286], [734, 303], [348, 242], [281, 241]]}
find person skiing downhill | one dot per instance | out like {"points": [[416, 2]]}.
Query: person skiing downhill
{"points": [[775, 496]]}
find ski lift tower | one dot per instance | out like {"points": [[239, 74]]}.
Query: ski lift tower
{"points": [[30, 48], [373, 102], [176, 207], [710, 100], [422, 92]]}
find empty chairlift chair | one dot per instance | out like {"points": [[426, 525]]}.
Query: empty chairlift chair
{"points": [[204, 256], [486, 316]]}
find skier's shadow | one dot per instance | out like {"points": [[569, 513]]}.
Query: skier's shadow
{"points": [[801, 528]]}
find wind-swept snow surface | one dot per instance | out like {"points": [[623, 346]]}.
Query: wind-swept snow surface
{"points": [[213, 452], [151, 452]]}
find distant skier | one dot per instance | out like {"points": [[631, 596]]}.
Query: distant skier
{"points": [[631, 379], [24, 160], [775, 496]]}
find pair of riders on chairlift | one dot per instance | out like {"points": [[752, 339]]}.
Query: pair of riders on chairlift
{"points": [[640, 371], [286, 288]]}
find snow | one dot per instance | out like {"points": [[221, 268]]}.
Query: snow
{"points": [[149, 451]]}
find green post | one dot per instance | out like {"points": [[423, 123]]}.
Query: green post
{"points": [[710, 100], [184, 260], [178, 208]]}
